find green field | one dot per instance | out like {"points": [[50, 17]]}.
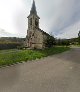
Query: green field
{"points": [[8, 57]]}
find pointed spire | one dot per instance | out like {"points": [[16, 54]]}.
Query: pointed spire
{"points": [[33, 9]]}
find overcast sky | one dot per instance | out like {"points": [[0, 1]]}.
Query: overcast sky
{"points": [[58, 17]]}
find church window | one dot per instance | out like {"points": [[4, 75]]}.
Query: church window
{"points": [[36, 23], [31, 21]]}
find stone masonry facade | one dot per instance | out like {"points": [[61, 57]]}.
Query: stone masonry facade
{"points": [[35, 36]]}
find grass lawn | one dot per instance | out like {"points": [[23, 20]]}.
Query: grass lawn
{"points": [[8, 57]]}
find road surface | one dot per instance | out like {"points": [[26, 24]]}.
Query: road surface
{"points": [[57, 73]]}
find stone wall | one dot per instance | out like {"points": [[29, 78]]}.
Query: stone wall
{"points": [[38, 39]]}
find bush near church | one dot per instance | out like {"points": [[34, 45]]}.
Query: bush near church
{"points": [[49, 42]]}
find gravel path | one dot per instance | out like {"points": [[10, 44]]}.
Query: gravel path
{"points": [[57, 73]]}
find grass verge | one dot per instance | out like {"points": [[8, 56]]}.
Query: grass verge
{"points": [[8, 57]]}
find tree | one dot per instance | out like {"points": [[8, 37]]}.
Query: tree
{"points": [[50, 41], [65, 43], [79, 37]]}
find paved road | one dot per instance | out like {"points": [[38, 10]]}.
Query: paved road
{"points": [[58, 73]]}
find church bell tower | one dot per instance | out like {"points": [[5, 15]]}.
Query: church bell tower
{"points": [[33, 24], [33, 19]]}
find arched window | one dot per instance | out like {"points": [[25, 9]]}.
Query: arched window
{"points": [[36, 22], [31, 21]]}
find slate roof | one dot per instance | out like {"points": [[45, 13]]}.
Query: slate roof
{"points": [[33, 10], [43, 32]]}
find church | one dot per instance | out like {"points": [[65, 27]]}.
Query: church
{"points": [[35, 36]]}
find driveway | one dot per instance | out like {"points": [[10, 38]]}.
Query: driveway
{"points": [[57, 73]]}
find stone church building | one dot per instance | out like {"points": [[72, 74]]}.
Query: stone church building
{"points": [[35, 36]]}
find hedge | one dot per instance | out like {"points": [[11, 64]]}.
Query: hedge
{"points": [[11, 45]]}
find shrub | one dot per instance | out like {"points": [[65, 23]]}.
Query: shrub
{"points": [[10, 45], [49, 42]]}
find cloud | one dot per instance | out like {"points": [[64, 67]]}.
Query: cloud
{"points": [[68, 14], [60, 17], [8, 11], [4, 33], [70, 32]]}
